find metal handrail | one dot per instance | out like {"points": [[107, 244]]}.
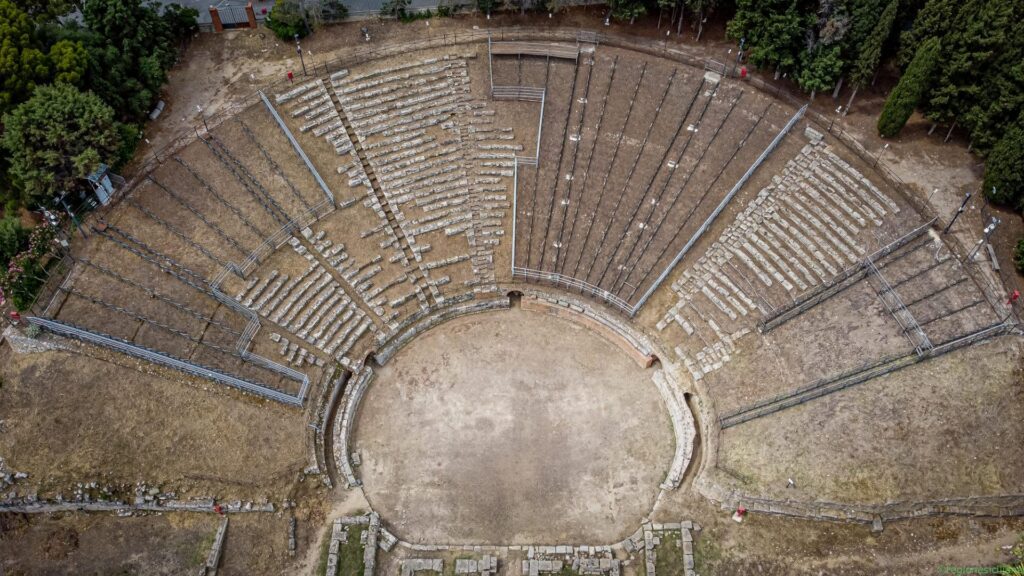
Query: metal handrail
{"points": [[114, 343], [571, 282]]}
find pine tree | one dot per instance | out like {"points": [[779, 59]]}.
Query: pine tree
{"points": [[627, 9], [821, 70], [1000, 94], [56, 138], [910, 89], [774, 31], [22, 64], [936, 19], [871, 50], [1004, 177], [969, 53]]}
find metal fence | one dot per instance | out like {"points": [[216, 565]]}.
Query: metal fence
{"points": [[573, 283], [525, 93], [721, 206], [298, 149], [863, 373], [65, 329], [818, 294], [362, 54]]}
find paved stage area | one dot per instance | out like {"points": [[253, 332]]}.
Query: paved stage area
{"points": [[512, 427]]}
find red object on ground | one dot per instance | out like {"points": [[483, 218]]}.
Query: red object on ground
{"points": [[741, 511], [15, 316], [1014, 297], [290, 76], [217, 508], [263, 10], [743, 71]]}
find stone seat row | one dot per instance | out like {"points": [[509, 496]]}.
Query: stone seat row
{"points": [[385, 298], [434, 183], [799, 231], [312, 307]]}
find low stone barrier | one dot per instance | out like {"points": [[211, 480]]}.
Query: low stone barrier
{"points": [[579, 312], [993, 506], [395, 344], [343, 430]]}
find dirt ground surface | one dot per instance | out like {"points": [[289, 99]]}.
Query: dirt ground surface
{"points": [[104, 544], [70, 418], [775, 546], [512, 428], [942, 428]]}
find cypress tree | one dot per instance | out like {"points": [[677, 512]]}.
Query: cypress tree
{"points": [[871, 50], [910, 89], [1003, 169]]}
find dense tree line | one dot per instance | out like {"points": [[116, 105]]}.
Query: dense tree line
{"points": [[74, 91], [961, 62]]}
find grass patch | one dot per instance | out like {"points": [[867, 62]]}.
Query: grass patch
{"points": [[669, 559], [706, 554], [202, 549], [321, 567], [449, 563], [350, 554]]}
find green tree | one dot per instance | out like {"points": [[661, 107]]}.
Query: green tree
{"points": [[485, 6], [911, 88], [1018, 256], [395, 8], [1004, 169], [13, 237], [183, 22], [57, 137], [22, 64], [821, 70], [70, 61], [334, 10], [969, 51], [130, 48], [871, 50], [935, 20], [287, 20], [999, 94], [43, 10], [775, 31], [700, 8], [864, 17], [630, 10]]}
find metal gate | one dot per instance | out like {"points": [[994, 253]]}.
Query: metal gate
{"points": [[233, 17]]}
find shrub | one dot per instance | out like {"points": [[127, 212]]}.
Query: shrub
{"points": [[395, 8], [13, 237], [25, 274], [333, 10], [1018, 256], [286, 20], [447, 9], [418, 15]]}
